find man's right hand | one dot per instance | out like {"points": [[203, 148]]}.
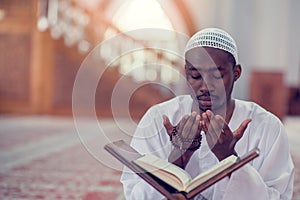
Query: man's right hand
{"points": [[187, 129]]}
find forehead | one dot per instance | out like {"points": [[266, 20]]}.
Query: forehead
{"points": [[207, 57]]}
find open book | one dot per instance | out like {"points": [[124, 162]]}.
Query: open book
{"points": [[168, 178], [175, 176]]}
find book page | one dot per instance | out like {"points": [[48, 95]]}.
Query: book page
{"points": [[201, 178], [168, 172], [127, 155]]}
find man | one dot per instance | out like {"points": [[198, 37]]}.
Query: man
{"points": [[197, 131]]}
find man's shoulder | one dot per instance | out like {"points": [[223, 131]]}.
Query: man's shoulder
{"points": [[254, 110], [264, 124]]}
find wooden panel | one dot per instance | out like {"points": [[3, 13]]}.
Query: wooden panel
{"points": [[66, 63], [268, 90], [20, 26], [17, 8], [14, 66], [25, 59], [41, 76], [18, 16]]}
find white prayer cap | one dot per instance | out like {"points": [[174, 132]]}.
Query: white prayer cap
{"points": [[213, 37]]}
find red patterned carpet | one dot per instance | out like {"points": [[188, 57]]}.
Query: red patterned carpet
{"points": [[70, 174], [42, 158]]}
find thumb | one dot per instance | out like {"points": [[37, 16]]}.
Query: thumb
{"points": [[240, 131], [167, 124]]}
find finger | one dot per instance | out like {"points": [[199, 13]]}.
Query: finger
{"points": [[214, 129], [210, 114], [208, 120], [201, 126], [205, 122], [222, 127], [167, 124], [186, 132], [182, 123], [210, 140], [240, 131], [226, 128], [195, 128], [219, 126], [225, 132], [208, 117]]}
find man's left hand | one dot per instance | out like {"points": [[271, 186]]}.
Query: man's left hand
{"points": [[220, 138]]}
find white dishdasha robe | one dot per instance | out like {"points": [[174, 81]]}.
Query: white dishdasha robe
{"points": [[269, 176]]}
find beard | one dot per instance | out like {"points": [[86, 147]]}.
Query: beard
{"points": [[213, 103]]}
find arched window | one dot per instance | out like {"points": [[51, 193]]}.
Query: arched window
{"points": [[145, 55]]}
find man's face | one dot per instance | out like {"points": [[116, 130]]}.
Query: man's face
{"points": [[211, 74]]}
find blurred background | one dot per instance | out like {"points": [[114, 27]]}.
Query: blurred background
{"points": [[43, 44]]}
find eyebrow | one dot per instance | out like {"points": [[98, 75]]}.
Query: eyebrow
{"points": [[192, 67]]}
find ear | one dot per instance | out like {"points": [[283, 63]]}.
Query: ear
{"points": [[237, 72]]}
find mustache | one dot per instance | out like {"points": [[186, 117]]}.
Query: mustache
{"points": [[206, 95]]}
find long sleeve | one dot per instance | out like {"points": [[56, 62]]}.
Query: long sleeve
{"points": [[271, 175], [148, 138], [247, 183], [151, 138], [136, 188]]}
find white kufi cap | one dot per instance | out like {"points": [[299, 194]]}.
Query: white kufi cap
{"points": [[213, 37]]}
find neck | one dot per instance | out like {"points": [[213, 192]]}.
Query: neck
{"points": [[229, 111]]}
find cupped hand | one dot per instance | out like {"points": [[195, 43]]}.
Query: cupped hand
{"points": [[186, 130], [221, 140], [181, 136]]}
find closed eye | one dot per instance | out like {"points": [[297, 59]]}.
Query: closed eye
{"points": [[195, 74], [218, 76]]}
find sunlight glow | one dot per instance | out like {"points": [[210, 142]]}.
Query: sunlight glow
{"points": [[141, 64], [136, 14]]}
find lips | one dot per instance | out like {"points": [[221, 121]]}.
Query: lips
{"points": [[206, 103], [205, 100]]}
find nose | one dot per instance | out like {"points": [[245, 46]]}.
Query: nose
{"points": [[206, 85], [203, 86]]}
